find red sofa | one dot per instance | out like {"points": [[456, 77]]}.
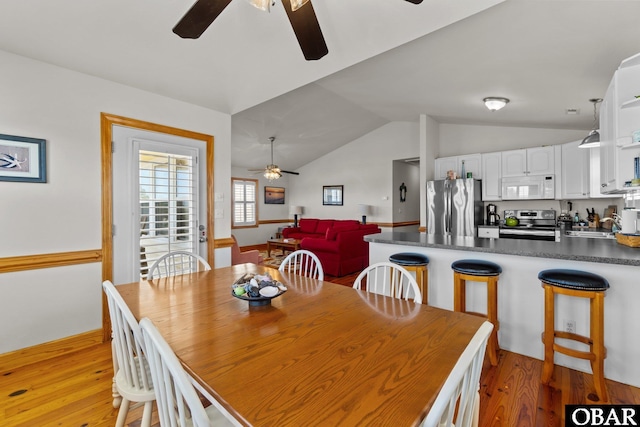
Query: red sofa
{"points": [[339, 244]]}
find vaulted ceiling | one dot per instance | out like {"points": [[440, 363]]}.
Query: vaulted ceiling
{"points": [[388, 60]]}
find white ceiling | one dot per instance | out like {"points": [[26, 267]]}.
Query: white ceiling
{"points": [[545, 55]]}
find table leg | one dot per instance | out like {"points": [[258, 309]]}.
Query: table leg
{"points": [[269, 249]]}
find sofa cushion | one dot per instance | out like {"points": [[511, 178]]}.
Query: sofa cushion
{"points": [[346, 225], [308, 225], [323, 226]]}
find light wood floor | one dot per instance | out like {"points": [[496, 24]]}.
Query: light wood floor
{"points": [[75, 390]]}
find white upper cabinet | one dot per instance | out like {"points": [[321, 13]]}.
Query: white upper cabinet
{"points": [[575, 164], [529, 161], [491, 174], [619, 119], [472, 164], [444, 164]]}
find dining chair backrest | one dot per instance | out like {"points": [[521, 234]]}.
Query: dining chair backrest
{"points": [[390, 279], [176, 263], [461, 388], [303, 263], [177, 400], [132, 377]]}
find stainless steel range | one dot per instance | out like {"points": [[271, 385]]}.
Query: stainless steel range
{"points": [[531, 224]]}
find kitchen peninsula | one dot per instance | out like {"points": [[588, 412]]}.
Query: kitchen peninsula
{"points": [[521, 297]]}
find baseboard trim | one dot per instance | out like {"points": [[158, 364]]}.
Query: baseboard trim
{"points": [[49, 350]]}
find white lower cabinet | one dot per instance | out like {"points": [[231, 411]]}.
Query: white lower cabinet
{"points": [[488, 232]]}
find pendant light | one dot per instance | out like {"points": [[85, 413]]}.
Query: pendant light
{"points": [[593, 139]]}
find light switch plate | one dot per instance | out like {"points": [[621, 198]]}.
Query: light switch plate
{"points": [[218, 213], [218, 197]]}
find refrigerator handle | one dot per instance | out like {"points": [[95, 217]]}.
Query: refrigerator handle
{"points": [[447, 215], [450, 210]]}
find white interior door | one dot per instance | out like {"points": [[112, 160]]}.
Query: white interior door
{"points": [[157, 199]]}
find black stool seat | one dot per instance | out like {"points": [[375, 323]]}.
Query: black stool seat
{"points": [[476, 267], [409, 259], [574, 279]]}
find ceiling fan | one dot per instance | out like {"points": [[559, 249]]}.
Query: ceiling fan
{"points": [[272, 171], [300, 13]]}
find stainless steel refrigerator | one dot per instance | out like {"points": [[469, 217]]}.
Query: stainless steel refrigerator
{"points": [[454, 207]]}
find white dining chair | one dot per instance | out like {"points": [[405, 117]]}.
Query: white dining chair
{"points": [[390, 279], [303, 263], [461, 388], [176, 263], [132, 378], [177, 400]]}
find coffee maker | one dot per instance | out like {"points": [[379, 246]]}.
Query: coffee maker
{"points": [[492, 214]]}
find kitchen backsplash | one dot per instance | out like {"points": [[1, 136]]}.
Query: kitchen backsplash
{"points": [[580, 205]]}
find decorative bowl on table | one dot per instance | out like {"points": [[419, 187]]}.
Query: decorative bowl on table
{"points": [[257, 289]]}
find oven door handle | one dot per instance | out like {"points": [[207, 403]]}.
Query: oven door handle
{"points": [[516, 232]]}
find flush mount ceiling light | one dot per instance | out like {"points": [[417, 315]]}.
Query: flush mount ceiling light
{"points": [[593, 139], [494, 103]]}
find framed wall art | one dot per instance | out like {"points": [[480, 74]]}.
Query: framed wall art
{"points": [[22, 159], [332, 195], [273, 195]]}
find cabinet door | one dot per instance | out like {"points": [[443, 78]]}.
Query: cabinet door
{"points": [[607, 141], [514, 163], [444, 164], [472, 163], [575, 171], [491, 174], [540, 161]]}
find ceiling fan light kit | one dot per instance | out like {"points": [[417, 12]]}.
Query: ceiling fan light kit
{"points": [[262, 4], [495, 103], [272, 171], [300, 13]]}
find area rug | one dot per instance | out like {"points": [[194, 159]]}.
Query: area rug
{"points": [[274, 260]]}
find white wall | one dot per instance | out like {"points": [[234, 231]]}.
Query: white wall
{"points": [[364, 167], [468, 139], [259, 235], [64, 214], [409, 175]]}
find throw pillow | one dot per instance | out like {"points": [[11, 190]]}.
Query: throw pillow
{"points": [[331, 234]]}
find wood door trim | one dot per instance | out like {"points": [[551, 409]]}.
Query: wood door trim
{"points": [[106, 131]]}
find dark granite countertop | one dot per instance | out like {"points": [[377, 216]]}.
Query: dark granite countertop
{"points": [[607, 251]]}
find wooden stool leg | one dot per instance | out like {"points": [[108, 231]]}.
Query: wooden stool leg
{"points": [[421, 278], [459, 293], [492, 315], [548, 334], [597, 348]]}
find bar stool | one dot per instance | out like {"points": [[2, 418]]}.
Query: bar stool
{"points": [[477, 270], [418, 264], [580, 284]]}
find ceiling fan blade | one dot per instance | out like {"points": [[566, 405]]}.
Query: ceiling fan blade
{"points": [[307, 29], [415, 1], [199, 17], [292, 173]]}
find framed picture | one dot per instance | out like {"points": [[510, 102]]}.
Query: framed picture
{"points": [[22, 159], [273, 195], [332, 195]]}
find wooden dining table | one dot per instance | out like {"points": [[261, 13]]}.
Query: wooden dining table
{"points": [[321, 354]]}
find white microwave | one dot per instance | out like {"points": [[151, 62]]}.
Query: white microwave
{"points": [[530, 187]]}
